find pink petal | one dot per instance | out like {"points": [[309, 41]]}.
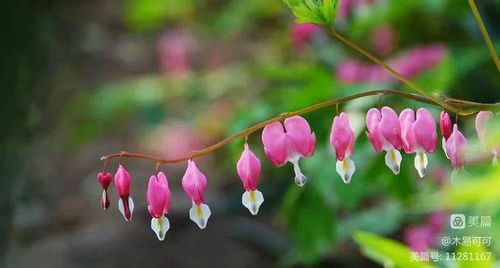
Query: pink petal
{"points": [[425, 130], [274, 141], [455, 148], [445, 124], [481, 121], [390, 127], [406, 120], [122, 182], [248, 168], [300, 139], [342, 136], [372, 122], [156, 195], [194, 183]]}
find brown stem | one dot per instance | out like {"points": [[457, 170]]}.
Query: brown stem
{"points": [[455, 104]]}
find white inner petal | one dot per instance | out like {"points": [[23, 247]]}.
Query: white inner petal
{"points": [[421, 163], [252, 200], [443, 143], [200, 214], [393, 160], [121, 207], [160, 226], [300, 179], [345, 169]]}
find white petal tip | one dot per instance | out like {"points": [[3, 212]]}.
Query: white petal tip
{"points": [[126, 210], [252, 200], [160, 226], [300, 179], [200, 214], [393, 160], [421, 164], [345, 169]]}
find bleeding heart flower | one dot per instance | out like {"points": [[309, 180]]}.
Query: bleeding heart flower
{"points": [[122, 185], [455, 146], [248, 168], [342, 140], [482, 119], [194, 184], [289, 142], [158, 198], [104, 179], [384, 132], [419, 136], [446, 128]]}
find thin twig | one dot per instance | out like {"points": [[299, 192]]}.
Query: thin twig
{"points": [[455, 104], [484, 32]]}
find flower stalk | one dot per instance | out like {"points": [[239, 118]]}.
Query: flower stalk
{"points": [[462, 107], [485, 34]]}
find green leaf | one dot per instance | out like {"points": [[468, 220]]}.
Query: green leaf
{"points": [[477, 257], [310, 221], [386, 251], [314, 11]]}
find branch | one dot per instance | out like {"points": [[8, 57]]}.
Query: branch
{"points": [[486, 37], [399, 76], [457, 105]]}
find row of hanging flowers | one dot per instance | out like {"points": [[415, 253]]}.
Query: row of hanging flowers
{"points": [[413, 132]]}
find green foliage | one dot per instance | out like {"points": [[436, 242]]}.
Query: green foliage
{"points": [[481, 257], [314, 11], [150, 14], [310, 221], [386, 252]]}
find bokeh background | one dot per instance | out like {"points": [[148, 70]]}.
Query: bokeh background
{"points": [[81, 79]]}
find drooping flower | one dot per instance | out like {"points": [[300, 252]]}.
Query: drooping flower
{"points": [[194, 184], [104, 179], [482, 119], [384, 132], [289, 142], [248, 168], [419, 136], [446, 128], [455, 146], [158, 198], [122, 185], [342, 140]]}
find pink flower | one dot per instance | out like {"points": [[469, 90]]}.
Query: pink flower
{"points": [[194, 184], [302, 33], [419, 238], [158, 198], [410, 64], [418, 135], [455, 147], [342, 140], [446, 127], [174, 48], [383, 39], [248, 168], [482, 119], [122, 185], [104, 179], [384, 132], [289, 142], [445, 124], [437, 221]]}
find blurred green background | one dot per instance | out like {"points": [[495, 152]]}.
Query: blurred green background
{"points": [[81, 79]]}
